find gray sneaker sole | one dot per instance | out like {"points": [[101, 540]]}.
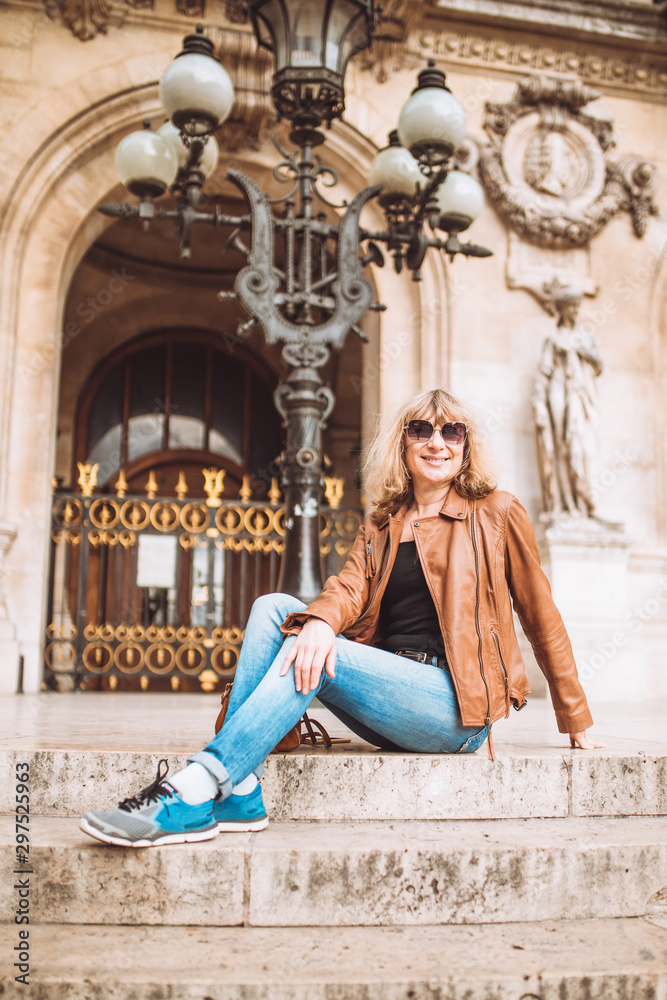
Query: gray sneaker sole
{"points": [[169, 838], [243, 826]]}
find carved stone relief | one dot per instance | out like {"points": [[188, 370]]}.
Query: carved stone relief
{"points": [[638, 71], [236, 11], [84, 18], [548, 169], [388, 53], [88, 18], [191, 8]]}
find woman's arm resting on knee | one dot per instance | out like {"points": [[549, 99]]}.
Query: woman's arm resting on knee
{"points": [[314, 649]]}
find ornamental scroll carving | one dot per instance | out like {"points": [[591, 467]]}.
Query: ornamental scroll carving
{"points": [[191, 8], [549, 171], [84, 18], [88, 18]]}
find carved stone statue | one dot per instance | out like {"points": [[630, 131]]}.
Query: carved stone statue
{"points": [[564, 403]]}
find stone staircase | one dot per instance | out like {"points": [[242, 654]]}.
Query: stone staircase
{"points": [[542, 876]]}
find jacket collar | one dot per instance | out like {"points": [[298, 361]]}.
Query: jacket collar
{"points": [[455, 506]]}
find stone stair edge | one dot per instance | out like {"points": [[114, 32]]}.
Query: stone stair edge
{"points": [[360, 785], [545, 827], [657, 751], [354, 873], [579, 959]]}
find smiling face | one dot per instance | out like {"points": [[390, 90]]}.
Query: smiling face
{"points": [[432, 464]]}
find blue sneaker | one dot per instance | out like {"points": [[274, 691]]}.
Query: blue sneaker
{"points": [[157, 815], [241, 812]]}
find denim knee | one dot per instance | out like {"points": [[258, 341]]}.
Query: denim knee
{"points": [[275, 607]]}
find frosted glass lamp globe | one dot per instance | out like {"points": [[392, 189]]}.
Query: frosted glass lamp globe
{"points": [[432, 123], [146, 164], [460, 199], [195, 90], [396, 170]]}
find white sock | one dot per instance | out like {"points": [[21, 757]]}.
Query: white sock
{"points": [[246, 786], [194, 784]]}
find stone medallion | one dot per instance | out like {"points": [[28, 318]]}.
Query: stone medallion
{"points": [[548, 169]]}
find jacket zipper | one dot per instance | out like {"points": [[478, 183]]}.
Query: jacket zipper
{"points": [[487, 720], [507, 680], [377, 586]]}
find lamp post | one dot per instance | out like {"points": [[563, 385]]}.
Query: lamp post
{"points": [[317, 294]]}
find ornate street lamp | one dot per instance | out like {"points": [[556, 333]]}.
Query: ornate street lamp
{"points": [[317, 293]]}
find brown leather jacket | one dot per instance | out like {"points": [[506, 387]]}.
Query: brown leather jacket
{"points": [[479, 557]]}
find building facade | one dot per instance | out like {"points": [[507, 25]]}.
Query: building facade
{"points": [[117, 353]]}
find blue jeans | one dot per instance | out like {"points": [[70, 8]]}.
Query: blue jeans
{"points": [[389, 701]]}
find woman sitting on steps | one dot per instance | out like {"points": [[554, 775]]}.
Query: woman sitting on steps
{"points": [[412, 645]]}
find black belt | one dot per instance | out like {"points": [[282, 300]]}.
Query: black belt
{"points": [[420, 657]]}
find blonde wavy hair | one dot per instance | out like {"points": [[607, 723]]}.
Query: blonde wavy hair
{"points": [[388, 481]]}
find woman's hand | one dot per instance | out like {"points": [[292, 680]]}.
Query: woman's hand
{"points": [[581, 740], [315, 648]]}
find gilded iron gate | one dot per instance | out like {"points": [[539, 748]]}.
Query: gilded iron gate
{"points": [[156, 591]]}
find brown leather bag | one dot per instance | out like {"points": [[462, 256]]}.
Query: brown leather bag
{"points": [[303, 732]]}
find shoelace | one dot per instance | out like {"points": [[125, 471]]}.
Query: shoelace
{"points": [[151, 793]]}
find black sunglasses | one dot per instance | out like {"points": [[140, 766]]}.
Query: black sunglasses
{"points": [[453, 432]]}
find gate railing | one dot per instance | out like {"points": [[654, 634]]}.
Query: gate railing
{"points": [[148, 591]]}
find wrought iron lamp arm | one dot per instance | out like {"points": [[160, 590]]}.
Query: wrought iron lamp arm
{"points": [[451, 246], [427, 194], [125, 210]]}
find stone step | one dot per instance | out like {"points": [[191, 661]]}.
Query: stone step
{"points": [[564, 960], [356, 784], [341, 874]]}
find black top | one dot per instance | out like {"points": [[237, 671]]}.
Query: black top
{"points": [[408, 619]]}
